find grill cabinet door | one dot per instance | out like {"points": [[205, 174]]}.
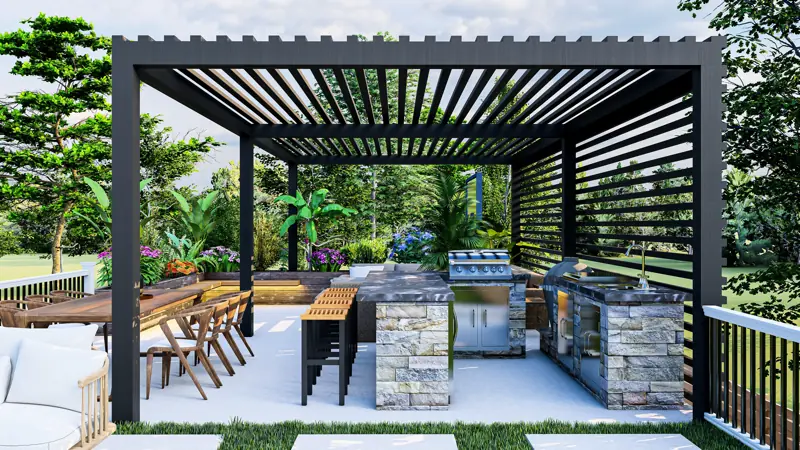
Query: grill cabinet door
{"points": [[494, 322], [467, 311]]}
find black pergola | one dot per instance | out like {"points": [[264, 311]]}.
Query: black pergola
{"points": [[575, 110]]}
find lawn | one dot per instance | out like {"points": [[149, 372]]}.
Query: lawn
{"points": [[13, 267], [242, 435]]}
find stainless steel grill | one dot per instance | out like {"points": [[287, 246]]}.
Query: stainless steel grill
{"points": [[479, 265]]}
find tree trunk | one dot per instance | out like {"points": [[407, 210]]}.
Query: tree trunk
{"points": [[374, 196], [58, 236]]}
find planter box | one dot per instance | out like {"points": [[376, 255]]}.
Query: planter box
{"points": [[361, 270]]}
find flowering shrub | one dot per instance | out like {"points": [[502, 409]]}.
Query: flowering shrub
{"points": [[410, 246], [220, 259], [326, 260], [176, 268], [151, 266]]}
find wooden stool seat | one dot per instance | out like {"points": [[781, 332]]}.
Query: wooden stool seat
{"points": [[325, 314], [332, 290], [332, 302], [337, 295]]}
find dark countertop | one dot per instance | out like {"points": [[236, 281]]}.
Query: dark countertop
{"points": [[404, 287], [659, 295]]}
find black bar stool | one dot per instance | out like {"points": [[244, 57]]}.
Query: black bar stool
{"points": [[324, 329]]}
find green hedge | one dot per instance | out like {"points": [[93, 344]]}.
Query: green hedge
{"points": [[511, 436]]}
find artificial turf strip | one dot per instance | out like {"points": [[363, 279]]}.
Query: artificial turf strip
{"points": [[242, 435]]}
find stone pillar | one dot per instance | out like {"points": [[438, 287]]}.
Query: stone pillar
{"points": [[411, 349], [516, 316], [642, 351]]}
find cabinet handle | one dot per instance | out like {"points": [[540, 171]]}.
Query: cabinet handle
{"points": [[473, 318], [484, 318]]}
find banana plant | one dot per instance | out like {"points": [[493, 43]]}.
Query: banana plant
{"points": [[102, 206], [198, 217], [309, 212]]}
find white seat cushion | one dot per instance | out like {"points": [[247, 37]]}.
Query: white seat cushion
{"points": [[184, 343], [72, 337], [5, 377], [66, 325], [36, 427], [46, 374]]}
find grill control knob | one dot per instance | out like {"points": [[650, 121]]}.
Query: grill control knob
{"points": [[501, 269], [459, 269], [486, 269], [494, 269], [473, 269]]}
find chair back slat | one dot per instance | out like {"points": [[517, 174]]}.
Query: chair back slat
{"points": [[10, 308]]}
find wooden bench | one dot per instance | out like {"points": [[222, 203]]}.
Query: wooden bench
{"points": [[263, 282]]}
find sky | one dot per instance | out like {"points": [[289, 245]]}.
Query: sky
{"points": [[339, 18]]}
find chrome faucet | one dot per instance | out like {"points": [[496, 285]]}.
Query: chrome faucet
{"points": [[643, 283]]}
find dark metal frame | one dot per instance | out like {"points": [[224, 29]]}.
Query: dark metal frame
{"points": [[585, 87]]}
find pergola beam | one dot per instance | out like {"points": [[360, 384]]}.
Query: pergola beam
{"points": [[394, 159], [405, 131]]}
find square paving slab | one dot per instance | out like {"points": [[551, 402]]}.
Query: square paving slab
{"points": [[161, 442], [610, 441], [375, 442]]}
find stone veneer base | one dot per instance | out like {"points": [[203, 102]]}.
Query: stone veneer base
{"points": [[411, 356]]}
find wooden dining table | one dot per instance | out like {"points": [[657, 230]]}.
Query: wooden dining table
{"points": [[97, 308]]}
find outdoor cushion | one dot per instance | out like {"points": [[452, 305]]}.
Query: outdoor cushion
{"points": [[36, 427], [46, 374], [5, 377], [72, 337]]}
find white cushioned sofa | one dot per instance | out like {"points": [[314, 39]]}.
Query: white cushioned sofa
{"points": [[53, 389]]}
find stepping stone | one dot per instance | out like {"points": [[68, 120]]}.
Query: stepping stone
{"points": [[161, 442], [375, 442], [610, 441]]}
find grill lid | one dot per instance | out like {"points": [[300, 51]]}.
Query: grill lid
{"points": [[472, 255]]}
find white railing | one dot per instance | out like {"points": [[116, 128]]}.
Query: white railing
{"points": [[78, 280], [754, 387]]}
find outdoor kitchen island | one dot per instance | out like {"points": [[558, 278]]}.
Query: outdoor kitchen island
{"points": [[413, 339], [625, 344]]}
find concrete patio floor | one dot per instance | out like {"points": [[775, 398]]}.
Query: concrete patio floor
{"points": [[267, 389]]}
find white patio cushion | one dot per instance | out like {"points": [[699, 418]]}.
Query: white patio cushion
{"points": [[47, 374], [36, 427], [73, 337], [5, 377]]}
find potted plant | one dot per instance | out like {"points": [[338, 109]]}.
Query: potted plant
{"points": [[326, 260], [366, 255]]}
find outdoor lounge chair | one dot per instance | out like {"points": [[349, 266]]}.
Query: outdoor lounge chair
{"points": [[181, 347]]}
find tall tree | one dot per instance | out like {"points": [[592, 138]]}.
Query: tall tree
{"points": [[763, 117], [49, 141]]}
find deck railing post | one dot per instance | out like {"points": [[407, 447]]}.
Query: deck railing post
{"points": [[89, 280], [125, 234]]}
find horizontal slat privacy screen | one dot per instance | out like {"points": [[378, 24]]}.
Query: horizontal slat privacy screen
{"points": [[632, 184]]}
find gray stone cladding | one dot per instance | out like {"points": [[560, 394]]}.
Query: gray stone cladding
{"points": [[411, 346], [642, 355]]}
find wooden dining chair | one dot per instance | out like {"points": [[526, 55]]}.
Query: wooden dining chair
{"points": [[10, 308], [181, 348], [244, 299], [234, 300]]}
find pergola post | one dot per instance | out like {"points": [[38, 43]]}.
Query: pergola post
{"points": [[516, 229], [707, 142], [568, 175], [125, 238], [292, 235], [246, 227]]}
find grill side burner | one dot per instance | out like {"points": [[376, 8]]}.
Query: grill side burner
{"points": [[486, 264]]}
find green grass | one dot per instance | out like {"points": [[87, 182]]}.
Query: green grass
{"points": [[13, 267], [242, 435]]}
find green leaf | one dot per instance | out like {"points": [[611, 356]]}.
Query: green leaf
{"points": [[318, 197], [206, 202], [286, 199], [332, 207], [287, 223], [143, 184], [305, 212], [299, 200], [99, 193], [181, 202], [311, 229]]}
